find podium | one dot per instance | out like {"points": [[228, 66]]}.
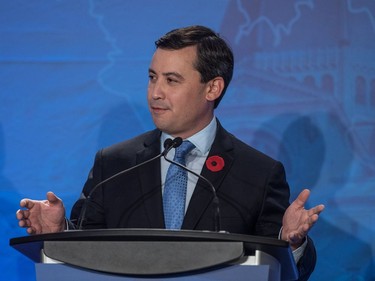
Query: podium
{"points": [[157, 254]]}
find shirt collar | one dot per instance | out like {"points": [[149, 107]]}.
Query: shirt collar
{"points": [[202, 140]]}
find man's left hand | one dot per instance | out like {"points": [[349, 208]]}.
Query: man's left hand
{"points": [[297, 221]]}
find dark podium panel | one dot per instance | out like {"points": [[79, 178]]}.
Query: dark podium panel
{"points": [[153, 253]]}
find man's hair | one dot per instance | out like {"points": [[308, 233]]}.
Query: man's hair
{"points": [[214, 56]]}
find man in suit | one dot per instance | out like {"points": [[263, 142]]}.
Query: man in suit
{"points": [[188, 76]]}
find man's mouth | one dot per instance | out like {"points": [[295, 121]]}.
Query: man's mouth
{"points": [[158, 109]]}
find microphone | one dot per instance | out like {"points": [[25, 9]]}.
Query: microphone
{"points": [[168, 145], [215, 200]]}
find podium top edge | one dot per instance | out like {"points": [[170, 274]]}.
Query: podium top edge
{"points": [[121, 234]]}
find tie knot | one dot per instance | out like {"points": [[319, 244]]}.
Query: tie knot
{"points": [[184, 149]]}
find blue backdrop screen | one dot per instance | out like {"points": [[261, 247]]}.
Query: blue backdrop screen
{"points": [[73, 78]]}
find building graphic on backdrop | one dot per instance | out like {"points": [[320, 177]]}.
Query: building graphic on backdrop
{"points": [[331, 70]]}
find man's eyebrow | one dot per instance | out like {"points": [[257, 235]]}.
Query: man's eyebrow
{"points": [[175, 74], [166, 74]]}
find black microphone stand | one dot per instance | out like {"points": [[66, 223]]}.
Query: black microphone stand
{"points": [[168, 145]]}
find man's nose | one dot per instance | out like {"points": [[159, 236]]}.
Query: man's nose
{"points": [[157, 90]]}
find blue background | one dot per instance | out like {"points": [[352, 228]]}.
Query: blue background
{"points": [[73, 78]]}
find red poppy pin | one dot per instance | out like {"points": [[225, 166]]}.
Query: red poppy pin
{"points": [[215, 163]]}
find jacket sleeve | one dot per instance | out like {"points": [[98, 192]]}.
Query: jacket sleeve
{"points": [[307, 262]]}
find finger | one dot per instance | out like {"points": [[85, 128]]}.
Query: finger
{"points": [[21, 223], [22, 214], [19, 215], [302, 197], [320, 208], [22, 203], [52, 198], [31, 230], [26, 203], [313, 219], [316, 210], [305, 228]]}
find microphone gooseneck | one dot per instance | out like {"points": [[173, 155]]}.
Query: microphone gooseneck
{"points": [[215, 200], [168, 145]]}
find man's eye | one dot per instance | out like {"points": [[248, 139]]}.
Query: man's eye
{"points": [[151, 77], [170, 80]]}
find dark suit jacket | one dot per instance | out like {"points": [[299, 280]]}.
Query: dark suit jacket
{"points": [[252, 189]]}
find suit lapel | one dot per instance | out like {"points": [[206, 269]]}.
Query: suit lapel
{"points": [[202, 195], [150, 179]]}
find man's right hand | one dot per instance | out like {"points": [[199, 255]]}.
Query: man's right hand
{"points": [[42, 216]]}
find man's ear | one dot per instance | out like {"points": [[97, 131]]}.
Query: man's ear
{"points": [[215, 88]]}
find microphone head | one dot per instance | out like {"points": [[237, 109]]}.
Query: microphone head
{"points": [[177, 142], [168, 143]]}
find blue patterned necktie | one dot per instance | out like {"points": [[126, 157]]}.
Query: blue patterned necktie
{"points": [[175, 188]]}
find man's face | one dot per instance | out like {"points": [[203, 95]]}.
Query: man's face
{"points": [[176, 97]]}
